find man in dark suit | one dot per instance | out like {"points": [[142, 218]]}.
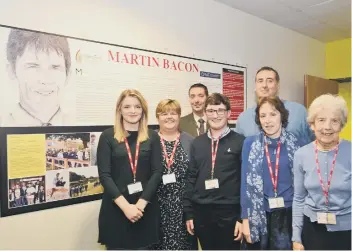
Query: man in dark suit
{"points": [[195, 123]]}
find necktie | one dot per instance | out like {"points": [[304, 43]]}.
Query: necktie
{"points": [[201, 126]]}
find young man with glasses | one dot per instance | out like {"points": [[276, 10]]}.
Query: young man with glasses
{"points": [[212, 198]]}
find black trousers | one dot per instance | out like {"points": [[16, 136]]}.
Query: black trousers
{"points": [[194, 242], [214, 226], [279, 226], [316, 237]]}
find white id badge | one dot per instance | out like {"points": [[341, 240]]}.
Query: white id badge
{"points": [[326, 218], [169, 178], [277, 202], [211, 184], [135, 187]]}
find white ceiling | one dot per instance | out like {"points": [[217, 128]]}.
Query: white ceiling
{"points": [[324, 20]]}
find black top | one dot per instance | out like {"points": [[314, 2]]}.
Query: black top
{"points": [[115, 173], [227, 171]]}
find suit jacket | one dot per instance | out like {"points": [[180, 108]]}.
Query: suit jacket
{"points": [[189, 125]]}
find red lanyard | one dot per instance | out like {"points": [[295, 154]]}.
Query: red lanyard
{"points": [[274, 181], [214, 150], [169, 160], [325, 190], [133, 166]]}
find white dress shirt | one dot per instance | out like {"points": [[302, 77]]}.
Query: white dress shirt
{"points": [[196, 118]]}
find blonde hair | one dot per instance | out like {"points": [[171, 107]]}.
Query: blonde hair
{"points": [[335, 102], [167, 105], [120, 132]]}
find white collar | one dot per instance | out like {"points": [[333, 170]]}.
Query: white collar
{"points": [[196, 117], [223, 134], [20, 117]]}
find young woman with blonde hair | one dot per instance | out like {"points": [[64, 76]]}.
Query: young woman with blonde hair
{"points": [[130, 168]]}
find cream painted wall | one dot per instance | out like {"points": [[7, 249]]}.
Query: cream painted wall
{"points": [[69, 228], [199, 28]]}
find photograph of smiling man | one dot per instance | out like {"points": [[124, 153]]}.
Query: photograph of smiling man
{"points": [[40, 66]]}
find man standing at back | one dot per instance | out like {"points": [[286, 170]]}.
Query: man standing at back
{"points": [[267, 83], [195, 122]]}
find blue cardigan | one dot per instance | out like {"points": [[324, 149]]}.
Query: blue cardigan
{"points": [[285, 179]]}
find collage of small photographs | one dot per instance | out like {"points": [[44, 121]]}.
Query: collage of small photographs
{"points": [[71, 171]]}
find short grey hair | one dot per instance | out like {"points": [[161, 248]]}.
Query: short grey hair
{"points": [[334, 102]]}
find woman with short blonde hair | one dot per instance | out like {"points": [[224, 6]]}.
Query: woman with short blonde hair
{"points": [[129, 165], [167, 105], [322, 181], [176, 148]]}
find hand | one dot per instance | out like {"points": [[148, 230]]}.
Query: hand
{"points": [[190, 227], [238, 231], [297, 246], [132, 213], [141, 204], [246, 231]]}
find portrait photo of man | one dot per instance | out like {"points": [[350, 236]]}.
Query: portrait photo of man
{"points": [[40, 65]]}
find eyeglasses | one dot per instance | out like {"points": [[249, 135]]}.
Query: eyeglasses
{"points": [[211, 112]]}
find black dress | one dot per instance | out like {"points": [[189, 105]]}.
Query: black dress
{"points": [[115, 173], [174, 235]]}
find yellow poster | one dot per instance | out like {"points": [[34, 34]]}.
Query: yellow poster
{"points": [[25, 155]]}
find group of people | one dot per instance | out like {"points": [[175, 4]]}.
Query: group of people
{"points": [[65, 158], [26, 193], [280, 180], [78, 189]]}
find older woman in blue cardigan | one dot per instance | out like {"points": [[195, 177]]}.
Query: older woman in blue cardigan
{"points": [[322, 199]]}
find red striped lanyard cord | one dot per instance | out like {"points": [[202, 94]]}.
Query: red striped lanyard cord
{"points": [[274, 180], [214, 150], [133, 165], [325, 189], [169, 160]]}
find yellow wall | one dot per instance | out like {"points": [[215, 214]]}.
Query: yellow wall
{"points": [[338, 65], [338, 59]]}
